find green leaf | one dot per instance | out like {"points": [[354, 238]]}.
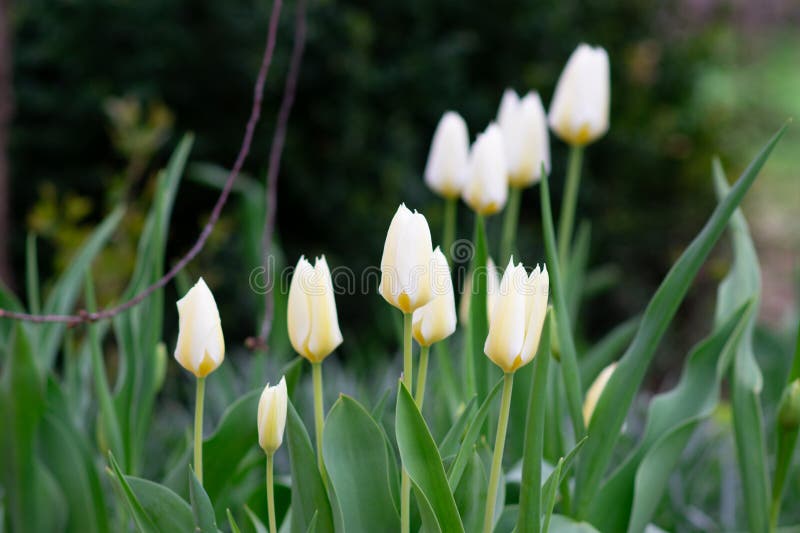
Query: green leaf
{"points": [[606, 350], [569, 357], [479, 371], [470, 438], [202, 510], [232, 522], [742, 283], [357, 461], [427, 515], [563, 524], [422, 461], [257, 524], [616, 398], [167, 511], [32, 274], [530, 499], [575, 274], [140, 516], [309, 499], [549, 490], [449, 444]]}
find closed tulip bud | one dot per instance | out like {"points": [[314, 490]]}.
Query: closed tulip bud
{"points": [[272, 416], [436, 320], [486, 186], [406, 262], [518, 317], [507, 116], [594, 392], [492, 288], [201, 346], [447, 160], [312, 320], [529, 147], [579, 110]]}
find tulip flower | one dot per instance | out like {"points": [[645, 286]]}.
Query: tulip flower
{"points": [[595, 391], [436, 320], [507, 116], [312, 318], [406, 262], [200, 350], [579, 110], [579, 115], [513, 340], [271, 423], [492, 288], [313, 328], [486, 187], [447, 160]]}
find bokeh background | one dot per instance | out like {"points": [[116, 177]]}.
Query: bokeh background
{"points": [[103, 90]]}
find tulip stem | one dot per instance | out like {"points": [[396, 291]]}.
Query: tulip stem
{"points": [[570, 198], [271, 494], [510, 222], [499, 445], [423, 375], [405, 482], [198, 428], [319, 417], [449, 231]]}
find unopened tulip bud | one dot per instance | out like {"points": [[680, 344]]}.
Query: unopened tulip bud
{"points": [[507, 119], [789, 407], [595, 391], [436, 320], [272, 416], [486, 187], [201, 346], [492, 287], [579, 110], [406, 262], [518, 317], [530, 145], [447, 160], [312, 320]]}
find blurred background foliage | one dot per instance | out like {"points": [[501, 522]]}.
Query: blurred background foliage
{"points": [[105, 88]]}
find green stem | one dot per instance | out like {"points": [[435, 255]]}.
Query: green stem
{"points": [[478, 377], [497, 459], [448, 375], [449, 230], [405, 482], [319, 417], [510, 222], [419, 397], [271, 495], [198, 428], [570, 198]]}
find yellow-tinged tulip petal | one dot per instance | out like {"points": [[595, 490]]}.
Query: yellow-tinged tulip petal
{"points": [[201, 346], [272, 416], [407, 261], [447, 160], [536, 309], [507, 328], [594, 392], [579, 110], [486, 187], [312, 319], [436, 320]]}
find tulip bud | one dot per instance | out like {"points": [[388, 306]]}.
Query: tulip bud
{"points": [[486, 186], [312, 320], [447, 160], [492, 288], [789, 406], [579, 110], [436, 320], [594, 392], [272, 416], [529, 147], [518, 317], [507, 118], [406, 262], [201, 346]]}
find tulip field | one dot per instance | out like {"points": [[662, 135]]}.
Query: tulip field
{"points": [[487, 415]]}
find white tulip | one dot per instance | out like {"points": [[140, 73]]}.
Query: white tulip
{"points": [[579, 110], [595, 391], [436, 320], [447, 159], [406, 262], [530, 145], [486, 187], [272, 416], [201, 346], [312, 319]]}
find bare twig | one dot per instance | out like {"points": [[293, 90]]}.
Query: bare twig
{"points": [[275, 162], [255, 113]]}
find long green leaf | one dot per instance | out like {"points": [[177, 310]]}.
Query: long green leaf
{"points": [[479, 371], [449, 444], [202, 510], [613, 405], [569, 357], [166, 510], [743, 282], [422, 461], [140, 516], [357, 462]]}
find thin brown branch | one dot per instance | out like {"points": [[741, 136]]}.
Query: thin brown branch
{"points": [[255, 113], [275, 161]]}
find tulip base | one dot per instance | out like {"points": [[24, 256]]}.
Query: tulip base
{"points": [[198, 428], [497, 458]]}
